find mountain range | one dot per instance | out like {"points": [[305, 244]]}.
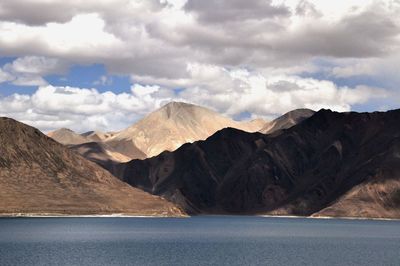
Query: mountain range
{"points": [[331, 164], [195, 161], [165, 129]]}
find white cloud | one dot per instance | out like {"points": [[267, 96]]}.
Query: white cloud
{"points": [[357, 69], [38, 65], [78, 108], [231, 92], [237, 91], [84, 34], [245, 57], [5, 76], [28, 70], [29, 80]]}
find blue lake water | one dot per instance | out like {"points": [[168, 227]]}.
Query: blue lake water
{"points": [[205, 240]]}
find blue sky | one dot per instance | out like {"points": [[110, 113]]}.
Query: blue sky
{"points": [[86, 76], [102, 67]]}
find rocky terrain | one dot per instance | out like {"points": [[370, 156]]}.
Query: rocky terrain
{"points": [[174, 124], [92, 146], [67, 137], [167, 128], [164, 129], [331, 164], [287, 120], [41, 176], [97, 136], [99, 153]]}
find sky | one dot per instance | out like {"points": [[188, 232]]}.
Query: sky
{"points": [[104, 64]]}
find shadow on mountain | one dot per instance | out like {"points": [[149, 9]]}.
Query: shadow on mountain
{"points": [[331, 164]]}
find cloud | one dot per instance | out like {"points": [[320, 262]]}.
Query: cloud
{"points": [[307, 9], [41, 12], [81, 109], [31, 12], [29, 80], [222, 11], [231, 92], [357, 69], [236, 91], [234, 56], [29, 70], [370, 33], [153, 38], [5, 76], [38, 65]]}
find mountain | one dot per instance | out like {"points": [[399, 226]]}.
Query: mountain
{"points": [[167, 128], [331, 164], [67, 137], [250, 126], [91, 146], [171, 126], [41, 176], [99, 153], [96, 136], [287, 120]]}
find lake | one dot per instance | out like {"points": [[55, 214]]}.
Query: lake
{"points": [[203, 240]]}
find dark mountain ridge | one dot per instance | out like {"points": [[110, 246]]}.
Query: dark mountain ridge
{"points": [[302, 170]]}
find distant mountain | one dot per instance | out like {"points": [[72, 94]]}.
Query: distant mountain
{"points": [[287, 120], [96, 136], [67, 137], [167, 128], [331, 164], [91, 146], [41, 176], [250, 126], [173, 125]]}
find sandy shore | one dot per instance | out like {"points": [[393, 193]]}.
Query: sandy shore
{"points": [[123, 215], [57, 215], [330, 218]]}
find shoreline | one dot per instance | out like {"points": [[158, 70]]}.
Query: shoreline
{"points": [[331, 218], [122, 215], [57, 215]]}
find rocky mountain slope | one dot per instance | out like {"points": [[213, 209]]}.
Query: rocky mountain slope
{"points": [[99, 153], [41, 176], [67, 137], [331, 164], [167, 128], [96, 136], [175, 124], [92, 146], [287, 120]]}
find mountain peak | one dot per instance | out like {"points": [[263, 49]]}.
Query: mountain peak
{"points": [[67, 136], [288, 120], [172, 109], [64, 129], [300, 112], [174, 104], [172, 125]]}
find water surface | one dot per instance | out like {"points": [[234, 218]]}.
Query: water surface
{"points": [[208, 240]]}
